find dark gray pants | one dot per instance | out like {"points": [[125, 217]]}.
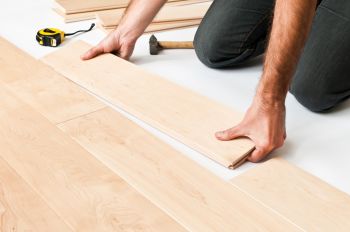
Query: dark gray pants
{"points": [[234, 31]]}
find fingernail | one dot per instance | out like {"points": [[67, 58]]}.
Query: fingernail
{"points": [[219, 134]]}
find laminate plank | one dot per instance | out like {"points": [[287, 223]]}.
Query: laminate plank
{"points": [[68, 18], [88, 195], [48, 92], [78, 6], [192, 195], [166, 14], [188, 117], [153, 27], [74, 17], [186, 2], [304, 199], [21, 209]]}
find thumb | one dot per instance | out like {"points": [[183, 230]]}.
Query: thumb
{"points": [[93, 52], [257, 155], [229, 134]]}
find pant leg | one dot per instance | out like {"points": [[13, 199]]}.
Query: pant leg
{"points": [[233, 31], [322, 78]]}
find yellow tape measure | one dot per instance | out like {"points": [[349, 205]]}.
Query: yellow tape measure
{"points": [[53, 37]]}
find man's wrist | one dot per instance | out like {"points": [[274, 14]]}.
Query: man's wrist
{"points": [[268, 99], [124, 36], [273, 89]]}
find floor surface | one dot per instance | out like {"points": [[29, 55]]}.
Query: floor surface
{"points": [[318, 143]]}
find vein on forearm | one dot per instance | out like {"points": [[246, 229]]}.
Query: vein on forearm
{"points": [[290, 28]]}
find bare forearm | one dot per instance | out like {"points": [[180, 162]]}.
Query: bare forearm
{"points": [[137, 17], [290, 27]]}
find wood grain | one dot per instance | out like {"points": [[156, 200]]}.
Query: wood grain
{"points": [[166, 14], [78, 6], [48, 92], [68, 18], [153, 27], [74, 17], [186, 2], [80, 189], [21, 209], [304, 199], [189, 117], [193, 196]]}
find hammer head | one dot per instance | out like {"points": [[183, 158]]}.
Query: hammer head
{"points": [[154, 47]]}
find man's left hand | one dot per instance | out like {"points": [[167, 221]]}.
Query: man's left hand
{"points": [[264, 124]]}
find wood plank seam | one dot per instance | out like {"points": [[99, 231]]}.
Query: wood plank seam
{"points": [[94, 165], [61, 126], [305, 199], [38, 194], [98, 159], [78, 116], [267, 206], [126, 172], [11, 106], [192, 123], [41, 92]]}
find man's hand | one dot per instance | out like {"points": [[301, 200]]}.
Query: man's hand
{"points": [[264, 124], [121, 41], [113, 43]]}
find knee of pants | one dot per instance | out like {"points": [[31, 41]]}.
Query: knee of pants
{"points": [[211, 52], [314, 95]]}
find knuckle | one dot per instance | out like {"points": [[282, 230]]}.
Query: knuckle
{"points": [[266, 144], [256, 157], [227, 132]]}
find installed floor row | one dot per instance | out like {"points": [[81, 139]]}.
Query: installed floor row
{"points": [[70, 163]]}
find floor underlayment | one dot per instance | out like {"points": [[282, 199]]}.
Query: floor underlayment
{"points": [[316, 142]]}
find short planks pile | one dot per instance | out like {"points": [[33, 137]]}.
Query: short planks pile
{"points": [[174, 14], [69, 162]]}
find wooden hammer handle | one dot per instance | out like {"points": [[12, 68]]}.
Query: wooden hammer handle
{"points": [[171, 44]]}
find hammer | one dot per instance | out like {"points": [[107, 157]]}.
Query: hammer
{"points": [[155, 46]]}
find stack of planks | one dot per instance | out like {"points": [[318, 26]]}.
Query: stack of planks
{"points": [[169, 17], [69, 162], [78, 10]]}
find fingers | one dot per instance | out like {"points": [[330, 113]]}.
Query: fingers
{"points": [[93, 52], [229, 134], [257, 155], [126, 51], [264, 149]]}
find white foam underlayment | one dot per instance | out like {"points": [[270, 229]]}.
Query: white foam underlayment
{"points": [[318, 143]]}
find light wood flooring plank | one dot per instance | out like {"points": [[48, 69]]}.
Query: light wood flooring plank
{"points": [[21, 209], [186, 2], [304, 199], [40, 86], [162, 26], [76, 6], [80, 189], [189, 117], [92, 14], [194, 196], [68, 18], [166, 14]]}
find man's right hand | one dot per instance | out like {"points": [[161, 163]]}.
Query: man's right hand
{"points": [[113, 43]]}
